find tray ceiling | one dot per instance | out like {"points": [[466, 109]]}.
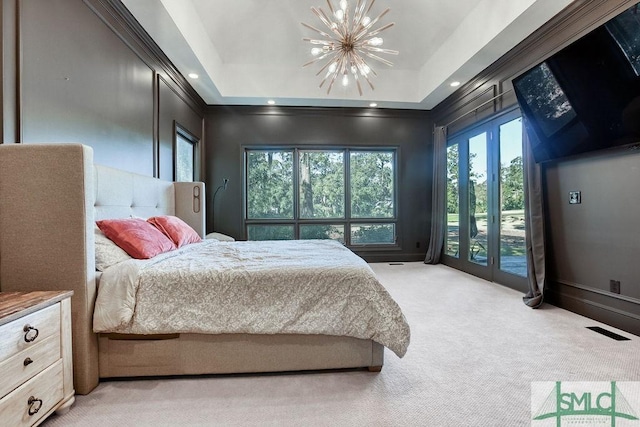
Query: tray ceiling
{"points": [[246, 52]]}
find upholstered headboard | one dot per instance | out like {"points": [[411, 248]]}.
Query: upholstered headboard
{"points": [[50, 197], [120, 194]]}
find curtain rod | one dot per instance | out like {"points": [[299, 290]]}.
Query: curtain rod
{"points": [[476, 108]]}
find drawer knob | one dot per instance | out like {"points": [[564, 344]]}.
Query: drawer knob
{"points": [[34, 405], [30, 333], [27, 361]]}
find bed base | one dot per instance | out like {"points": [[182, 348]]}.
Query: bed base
{"points": [[193, 354]]}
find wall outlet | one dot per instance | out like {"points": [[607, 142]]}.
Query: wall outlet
{"points": [[417, 244], [614, 286]]}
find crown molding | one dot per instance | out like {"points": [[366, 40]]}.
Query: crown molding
{"points": [[570, 24], [117, 17], [275, 110]]}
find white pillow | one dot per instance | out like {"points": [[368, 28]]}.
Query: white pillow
{"points": [[107, 252]]}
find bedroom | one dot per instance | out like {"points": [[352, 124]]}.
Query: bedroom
{"points": [[83, 55]]}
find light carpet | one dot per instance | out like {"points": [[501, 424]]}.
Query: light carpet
{"points": [[475, 350]]}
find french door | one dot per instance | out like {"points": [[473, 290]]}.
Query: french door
{"points": [[485, 201]]}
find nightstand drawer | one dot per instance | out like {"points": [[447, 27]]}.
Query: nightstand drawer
{"points": [[40, 325], [34, 399], [24, 365]]}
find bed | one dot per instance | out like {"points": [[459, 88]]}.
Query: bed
{"points": [[52, 194]]}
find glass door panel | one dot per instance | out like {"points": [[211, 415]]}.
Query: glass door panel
{"points": [[485, 201], [512, 253], [452, 245], [478, 199]]}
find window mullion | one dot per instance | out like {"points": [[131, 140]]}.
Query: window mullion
{"points": [[347, 196], [296, 193]]}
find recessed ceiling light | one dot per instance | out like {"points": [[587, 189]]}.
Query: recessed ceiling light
{"points": [[271, 102], [193, 75], [454, 84], [373, 104]]}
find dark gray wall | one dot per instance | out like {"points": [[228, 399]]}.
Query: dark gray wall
{"points": [[172, 111], [598, 240], [229, 129], [89, 75]]}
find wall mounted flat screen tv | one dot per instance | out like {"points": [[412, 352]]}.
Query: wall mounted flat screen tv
{"points": [[585, 97]]}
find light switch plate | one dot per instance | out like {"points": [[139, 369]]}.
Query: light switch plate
{"points": [[575, 197]]}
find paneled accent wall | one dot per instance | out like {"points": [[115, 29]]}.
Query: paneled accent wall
{"points": [[172, 111], [85, 71], [594, 242], [229, 129]]}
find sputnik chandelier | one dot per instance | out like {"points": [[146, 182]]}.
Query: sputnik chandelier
{"points": [[350, 39]]}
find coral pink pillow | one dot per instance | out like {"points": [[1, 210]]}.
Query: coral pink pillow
{"points": [[136, 237], [175, 229]]}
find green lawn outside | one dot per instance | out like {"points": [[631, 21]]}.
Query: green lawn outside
{"points": [[512, 242]]}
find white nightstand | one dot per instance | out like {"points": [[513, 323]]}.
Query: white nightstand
{"points": [[36, 371]]}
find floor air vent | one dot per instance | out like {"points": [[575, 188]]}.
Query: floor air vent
{"points": [[396, 263], [607, 333]]}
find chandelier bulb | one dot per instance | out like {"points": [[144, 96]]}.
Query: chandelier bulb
{"points": [[316, 51], [344, 5], [365, 70], [354, 69], [345, 80], [339, 15], [333, 67], [376, 41], [366, 21]]}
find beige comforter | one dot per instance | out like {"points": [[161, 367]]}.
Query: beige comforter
{"points": [[285, 287]]}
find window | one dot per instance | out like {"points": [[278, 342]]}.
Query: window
{"points": [[321, 184], [372, 184], [269, 184], [185, 155], [346, 194], [453, 202]]}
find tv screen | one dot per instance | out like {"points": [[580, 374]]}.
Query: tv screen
{"points": [[546, 99], [624, 29], [586, 97]]}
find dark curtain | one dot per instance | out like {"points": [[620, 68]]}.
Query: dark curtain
{"points": [[439, 196], [534, 223]]}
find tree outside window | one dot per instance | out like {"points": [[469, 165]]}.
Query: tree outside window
{"points": [[185, 155], [346, 195]]}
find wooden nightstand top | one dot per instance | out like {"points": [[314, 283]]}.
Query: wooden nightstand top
{"points": [[14, 305]]}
